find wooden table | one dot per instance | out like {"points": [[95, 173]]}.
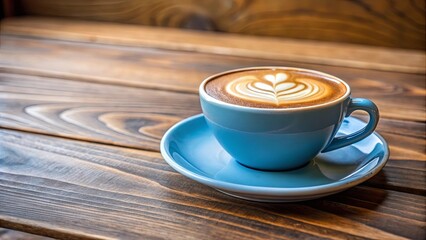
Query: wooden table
{"points": [[83, 107]]}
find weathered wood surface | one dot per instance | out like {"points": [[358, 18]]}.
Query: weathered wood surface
{"points": [[183, 71], [138, 118], [132, 117], [80, 156], [8, 234], [380, 22], [224, 44], [94, 190]]}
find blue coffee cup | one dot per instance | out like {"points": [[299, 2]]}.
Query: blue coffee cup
{"points": [[283, 138]]}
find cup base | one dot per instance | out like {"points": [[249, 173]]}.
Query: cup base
{"points": [[273, 169]]}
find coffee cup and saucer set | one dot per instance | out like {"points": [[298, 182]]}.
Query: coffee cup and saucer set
{"points": [[277, 134]]}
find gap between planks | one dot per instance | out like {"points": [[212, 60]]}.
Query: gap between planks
{"points": [[75, 138], [94, 79]]}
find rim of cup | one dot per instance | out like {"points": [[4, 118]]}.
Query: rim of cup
{"points": [[208, 98]]}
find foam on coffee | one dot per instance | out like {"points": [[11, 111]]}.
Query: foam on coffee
{"points": [[275, 88]]}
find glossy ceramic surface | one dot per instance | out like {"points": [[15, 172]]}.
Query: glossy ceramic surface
{"points": [[283, 138], [191, 149]]}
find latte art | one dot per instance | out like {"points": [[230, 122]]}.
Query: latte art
{"points": [[275, 88]]}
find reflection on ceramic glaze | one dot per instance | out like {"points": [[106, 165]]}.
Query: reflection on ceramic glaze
{"points": [[277, 89], [191, 148]]}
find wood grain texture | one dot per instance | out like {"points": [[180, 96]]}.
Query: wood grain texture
{"points": [[8, 234], [80, 189], [395, 60], [183, 71], [138, 118], [381, 22], [124, 93], [133, 117]]}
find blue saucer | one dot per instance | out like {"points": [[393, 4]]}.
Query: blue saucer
{"points": [[191, 149]]}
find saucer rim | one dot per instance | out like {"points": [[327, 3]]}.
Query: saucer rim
{"points": [[335, 186]]}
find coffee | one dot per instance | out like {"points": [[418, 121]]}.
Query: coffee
{"points": [[275, 88]]}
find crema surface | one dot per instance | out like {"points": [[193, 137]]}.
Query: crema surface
{"points": [[275, 88]]}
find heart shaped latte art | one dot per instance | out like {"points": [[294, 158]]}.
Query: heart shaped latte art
{"points": [[275, 89]]}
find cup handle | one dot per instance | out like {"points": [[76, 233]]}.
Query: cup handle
{"points": [[357, 104]]}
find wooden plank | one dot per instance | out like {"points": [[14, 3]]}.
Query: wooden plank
{"points": [[347, 55], [82, 189], [137, 118], [112, 113], [8, 234], [183, 71], [132, 117], [381, 23]]}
